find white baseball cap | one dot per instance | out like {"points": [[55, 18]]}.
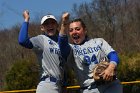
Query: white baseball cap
{"points": [[47, 17]]}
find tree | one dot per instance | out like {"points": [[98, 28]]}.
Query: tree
{"points": [[22, 75]]}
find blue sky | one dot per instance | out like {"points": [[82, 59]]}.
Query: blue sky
{"points": [[11, 10]]}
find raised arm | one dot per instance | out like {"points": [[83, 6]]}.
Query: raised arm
{"points": [[63, 38], [23, 38]]}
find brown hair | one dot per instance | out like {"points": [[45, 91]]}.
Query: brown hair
{"points": [[82, 23], [79, 20]]}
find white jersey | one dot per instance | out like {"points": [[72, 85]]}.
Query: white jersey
{"points": [[50, 57], [86, 56]]}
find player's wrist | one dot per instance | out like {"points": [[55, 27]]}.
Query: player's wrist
{"points": [[113, 62], [65, 24], [26, 20], [112, 66], [62, 35]]}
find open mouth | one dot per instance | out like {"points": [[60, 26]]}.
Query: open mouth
{"points": [[76, 36], [50, 30]]}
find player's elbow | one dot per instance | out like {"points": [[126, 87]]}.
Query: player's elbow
{"points": [[21, 42], [25, 43], [113, 56]]}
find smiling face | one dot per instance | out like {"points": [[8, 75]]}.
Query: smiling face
{"points": [[77, 32], [49, 27]]}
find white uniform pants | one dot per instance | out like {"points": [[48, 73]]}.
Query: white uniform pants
{"points": [[48, 86], [112, 87]]}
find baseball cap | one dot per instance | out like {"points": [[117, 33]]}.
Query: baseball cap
{"points": [[47, 17]]}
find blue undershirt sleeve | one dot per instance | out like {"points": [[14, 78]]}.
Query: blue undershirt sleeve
{"points": [[64, 46], [113, 57], [23, 38]]}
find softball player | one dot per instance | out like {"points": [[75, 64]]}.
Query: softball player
{"points": [[87, 53], [48, 52]]}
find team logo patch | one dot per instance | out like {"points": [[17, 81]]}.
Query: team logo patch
{"points": [[50, 42]]}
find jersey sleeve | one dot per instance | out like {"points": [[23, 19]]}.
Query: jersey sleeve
{"points": [[23, 38], [64, 46], [38, 41], [110, 52]]}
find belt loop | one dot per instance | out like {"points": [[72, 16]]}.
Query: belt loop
{"points": [[50, 78], [43, 78], [93, 86], [53, 79]]}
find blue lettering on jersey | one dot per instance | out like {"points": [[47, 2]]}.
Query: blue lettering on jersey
{"points": [[87, 50], [50, 42], [94, 59], [84, 51], [88, 54], [78, 51], [90, 49], [54, 50], [87, 60]]}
